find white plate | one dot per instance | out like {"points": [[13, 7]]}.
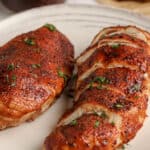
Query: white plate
{"points": [[80, 24]]}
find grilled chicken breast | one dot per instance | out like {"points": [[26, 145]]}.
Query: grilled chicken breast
{"points": [[34, 69], [112, 91]]}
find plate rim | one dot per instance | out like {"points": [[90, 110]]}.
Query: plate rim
{"points": [[104, 6]]}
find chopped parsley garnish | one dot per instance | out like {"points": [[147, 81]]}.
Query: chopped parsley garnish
{"points": [[123, 147], [118, 105], [97, 123], [101, 114], [113, 123], [51, 27], [74, 77], [102, 36], [62, 75], [136, 97], [35, 66], [112, 35], [13, 83], [73, 123], [115, 46], [13, 77], [95, 113], [90, 85], [100, 80], [104, 115], [11, 67], [29, 41]]}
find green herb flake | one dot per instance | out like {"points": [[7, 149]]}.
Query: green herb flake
{"points": [[62, 75], [115, 46], [13, 78], [101, 114], [97, 123], [101, 80], [95, 113], [104, 115], [123, 147], [90, 86], [74, 123], [102, 36], [112, 35], [35, 66], [29, 41], [136, 97], [11, 67], [74, 77], [118, 106], [113, 123], [51, 27]]}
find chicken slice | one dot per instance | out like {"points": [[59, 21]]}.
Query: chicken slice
{"points": [[34, 69], [111, 93]]}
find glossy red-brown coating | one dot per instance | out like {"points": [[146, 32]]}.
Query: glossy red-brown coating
{"points": [[107, 98], [123, 54], [29, 72], [121, 93], [130, 114], [133, 40], [121, 79], [90, 132]]}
